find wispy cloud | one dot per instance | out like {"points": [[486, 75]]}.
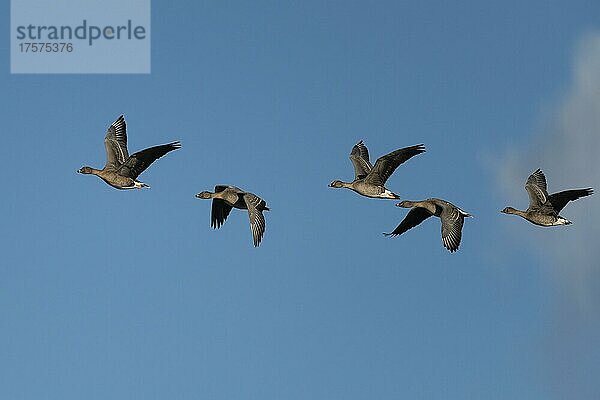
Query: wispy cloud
{"points": [[566, 145], [567, 148]]}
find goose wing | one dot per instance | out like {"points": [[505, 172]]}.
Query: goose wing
{"points": [[255, 206], [138, 162], [386, 165], [360, 159], [414, 217], [536, 188], [220, 209], [452, 223], [559, 200], [115, 142], [539, 179]]}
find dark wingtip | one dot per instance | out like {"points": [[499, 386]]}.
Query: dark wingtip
{"points": [[451, 249]]}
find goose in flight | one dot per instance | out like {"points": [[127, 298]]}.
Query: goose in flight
{"points": [[544, 209], [225, 198], [370, 179], [121, 169], [451, 217]]}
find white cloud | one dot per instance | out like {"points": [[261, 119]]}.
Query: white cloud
{"points": [[567, 148]]}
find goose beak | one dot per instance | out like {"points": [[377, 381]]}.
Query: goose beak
{"points": [[198, 195]]}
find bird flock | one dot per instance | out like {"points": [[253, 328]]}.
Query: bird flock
{"points": [[122, 170]]}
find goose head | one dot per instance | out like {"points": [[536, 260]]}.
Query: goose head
{"points": [[204, 195], [85, 170], [405, 204]]}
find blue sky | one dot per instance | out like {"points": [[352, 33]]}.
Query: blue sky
{"points": [[131, 294]]}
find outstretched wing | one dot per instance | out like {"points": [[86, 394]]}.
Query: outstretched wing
{"points": [[537, 189], [138, 162], [559, 200], [115, 143], [386, 165], [539, 179], [220, 209], [414, 217], [452, 223], [257, 220], [360, 159]]}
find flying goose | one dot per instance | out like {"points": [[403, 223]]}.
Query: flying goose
{"points": [[543, 209], [370, 180], [121, 169], [451, 217], [227, 197]]}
